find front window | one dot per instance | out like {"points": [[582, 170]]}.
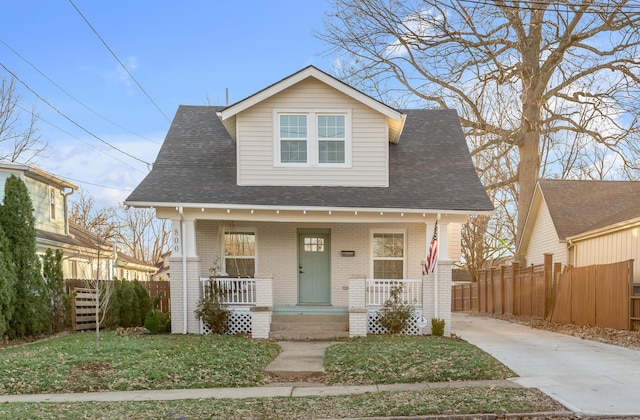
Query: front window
{"points": [[293, 138], [240, 254], [388, 255], [331, 138]]}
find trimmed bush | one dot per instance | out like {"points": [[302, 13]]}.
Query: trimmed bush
{"points": [[395, 314], [437, 326]]}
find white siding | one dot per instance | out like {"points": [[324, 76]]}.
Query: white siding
{"points": [[277, 253], [255, 128], [610, 248], [544, 239], [454, 237]]}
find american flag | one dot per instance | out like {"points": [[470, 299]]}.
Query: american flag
{"points": [[429, 263]]}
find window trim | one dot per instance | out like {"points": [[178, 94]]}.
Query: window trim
{"points": [[404, 258], [313, 140], [239, 229], [52, 204]]}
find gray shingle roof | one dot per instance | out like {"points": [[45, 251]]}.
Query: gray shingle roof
{"points": [[582, 206], [430, 169]]}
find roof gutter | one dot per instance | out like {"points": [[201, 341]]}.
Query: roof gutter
{"points": [[336, 209], [184, 271], [66, 210]]}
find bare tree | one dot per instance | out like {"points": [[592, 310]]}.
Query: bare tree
{"points": [[137, 232], [142, 235], [19, 139], [519, 73], [100, 221]]}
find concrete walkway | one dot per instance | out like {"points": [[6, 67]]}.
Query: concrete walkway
{"points": [[300, 359], [587, 377]]}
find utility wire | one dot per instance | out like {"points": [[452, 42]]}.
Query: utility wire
{"points": [[82, 141], [70, 120], [120, 62], [561, 6], [97, 185], [72, 97]]}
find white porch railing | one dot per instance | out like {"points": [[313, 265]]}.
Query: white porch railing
{"points": [[378, 291], [235, 291]]}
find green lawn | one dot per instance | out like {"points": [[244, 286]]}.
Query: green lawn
{"points": [[469, 400], [408, 359], [72, 363]]}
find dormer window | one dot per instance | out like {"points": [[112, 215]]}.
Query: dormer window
{"points": [[313, 138]]}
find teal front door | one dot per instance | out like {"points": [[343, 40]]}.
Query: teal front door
{"points": [[314, 273]]}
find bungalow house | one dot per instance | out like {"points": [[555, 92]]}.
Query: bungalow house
{"points": [[309, 200], [583, 223], [80, 257]]}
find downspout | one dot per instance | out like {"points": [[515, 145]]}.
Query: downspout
{"points": [[435, 271], [183, 227], [66, 210]]}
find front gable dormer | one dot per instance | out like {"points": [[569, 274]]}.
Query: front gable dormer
{"points": [[310, 129]]}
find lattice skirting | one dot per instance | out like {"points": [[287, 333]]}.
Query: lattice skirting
{"points": [[374, 327], [239, 323]]}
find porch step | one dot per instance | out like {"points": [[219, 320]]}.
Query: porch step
{"points": [[301, 327]]}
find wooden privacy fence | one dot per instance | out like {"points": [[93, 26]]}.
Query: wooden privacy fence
{"points": [[509, 290], [153, 287], [83, 301], [83, 308], [597, 295]]}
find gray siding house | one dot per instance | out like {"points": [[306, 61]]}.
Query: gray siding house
{"points": [[310, 200]]}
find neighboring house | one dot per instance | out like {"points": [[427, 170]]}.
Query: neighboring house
{"points": [[583, 223], [80, 257], [163, 267], [316, 198]]}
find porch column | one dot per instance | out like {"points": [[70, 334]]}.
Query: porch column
{"points": [[357, 306], [184, 260], [262, 312], [436, 287]]}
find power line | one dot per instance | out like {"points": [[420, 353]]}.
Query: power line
{"points": [[120, 62], [72, 97], [82, 141], [71, 120], [566, 6], [97, 185]]}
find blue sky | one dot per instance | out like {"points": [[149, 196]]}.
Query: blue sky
{"points": [[180, 53]]}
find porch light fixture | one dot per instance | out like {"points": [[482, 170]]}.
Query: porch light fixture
{"points": [[277, 211], [251, 211], [329, 212], [202, 209], [304, 212], [355, 212], [381, 213], [401, 214], [228, 211]]}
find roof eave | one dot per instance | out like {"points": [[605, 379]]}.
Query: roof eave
{"points": [[303, 74]]}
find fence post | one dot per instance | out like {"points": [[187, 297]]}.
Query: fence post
{"points": [[548, 276], [632, 304], [502, 299], [515, 294]]}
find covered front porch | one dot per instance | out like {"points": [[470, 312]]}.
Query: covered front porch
{"points": [[311, 267], [252, 311]]}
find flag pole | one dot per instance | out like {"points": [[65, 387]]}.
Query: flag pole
{"points": [[435, 271]]}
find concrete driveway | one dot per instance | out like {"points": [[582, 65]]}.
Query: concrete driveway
{"points": [[587, 377]]}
